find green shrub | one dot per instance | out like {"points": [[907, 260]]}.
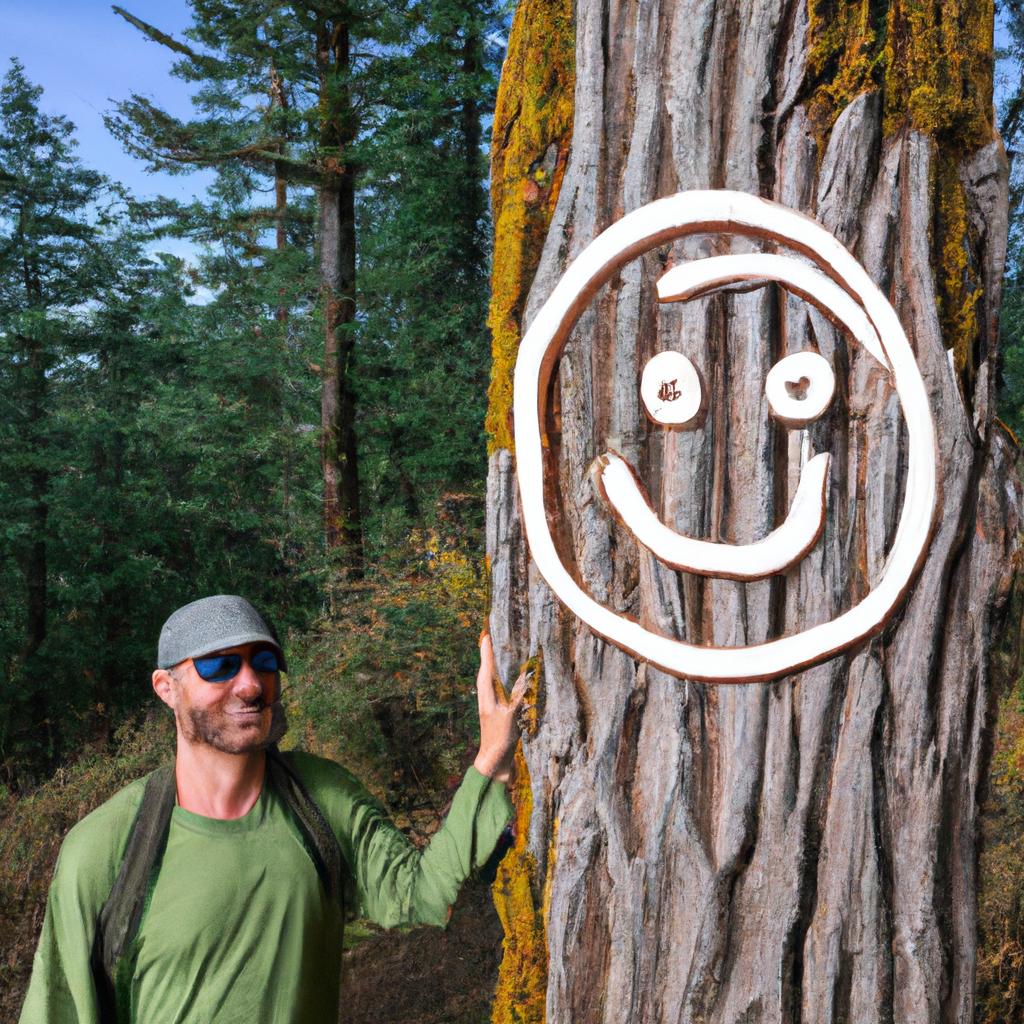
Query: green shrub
{"points": [[386, 683]]}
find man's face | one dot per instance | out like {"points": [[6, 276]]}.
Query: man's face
{"points": [[238, 716]]}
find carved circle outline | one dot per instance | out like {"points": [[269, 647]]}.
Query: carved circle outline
{"points": [[660, 222]]}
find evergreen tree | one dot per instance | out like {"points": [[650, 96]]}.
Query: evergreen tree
{"points": [[1011, 127], [319, 90], [377, 110], [49, 267], [145, 436], [423, 268]]}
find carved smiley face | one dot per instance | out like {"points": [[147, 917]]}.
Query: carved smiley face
{"points": [[798, 388]]}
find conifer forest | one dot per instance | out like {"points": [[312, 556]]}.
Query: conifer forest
{"points": [[303, 410]]}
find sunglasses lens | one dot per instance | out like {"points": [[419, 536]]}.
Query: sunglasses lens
{"points": [[265, 661], [218, 668]]}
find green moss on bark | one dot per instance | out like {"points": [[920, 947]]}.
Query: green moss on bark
{"points": [[958, 286], [938, 69], [522, 901], [523, 975], [845, 45]]}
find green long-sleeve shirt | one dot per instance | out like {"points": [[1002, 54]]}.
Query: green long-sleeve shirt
{"points": [[237, 926]]}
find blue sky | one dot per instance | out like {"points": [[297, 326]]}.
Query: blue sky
{"points": [[86, 57]]}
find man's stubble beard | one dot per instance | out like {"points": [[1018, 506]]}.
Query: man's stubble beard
{"points": [[199, 726]]}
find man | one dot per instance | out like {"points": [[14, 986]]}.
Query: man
{"points": [[234, 920]]}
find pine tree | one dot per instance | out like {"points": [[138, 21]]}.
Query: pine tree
{"points": [[1011, 127], [377, 110], [320, 90], [423, 285], [48, 270], [144, 434]]}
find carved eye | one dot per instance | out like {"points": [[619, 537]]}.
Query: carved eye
{"points": [[673, 392], [799, 388]]}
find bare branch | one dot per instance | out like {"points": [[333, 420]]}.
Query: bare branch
{"points": [[257, 153], [153, 33]]}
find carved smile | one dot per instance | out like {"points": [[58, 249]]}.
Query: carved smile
{"points": [[773, 553]]}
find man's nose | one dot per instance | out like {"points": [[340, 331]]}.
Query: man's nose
{"points": [[247, 684]]}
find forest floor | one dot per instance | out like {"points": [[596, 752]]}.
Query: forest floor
{"points": [[427, 975]]}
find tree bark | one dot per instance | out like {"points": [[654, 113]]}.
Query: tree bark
{"points": [[804, 850]]}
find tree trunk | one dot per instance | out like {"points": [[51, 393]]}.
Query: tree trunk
{"points": [[35, 562], [332, 173], [279, 99], [37, 592], [108, 678], [37, 505], [342, 516], [471, 197], [804, 850]]}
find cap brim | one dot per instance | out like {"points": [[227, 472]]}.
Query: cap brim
{"points": [[236, 641]]}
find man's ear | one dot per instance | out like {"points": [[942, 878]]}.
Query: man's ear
{"points": [[163, 685]]}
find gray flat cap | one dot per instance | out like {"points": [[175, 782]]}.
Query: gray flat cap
{"points": [[211, 624]]}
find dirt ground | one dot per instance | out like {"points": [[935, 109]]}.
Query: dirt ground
{"points": [[427, 975]]}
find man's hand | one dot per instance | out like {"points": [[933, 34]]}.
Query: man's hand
{"points": [[499, 727]]}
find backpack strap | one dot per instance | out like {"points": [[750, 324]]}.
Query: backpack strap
{"points": [[119, 919], [320, 840]]}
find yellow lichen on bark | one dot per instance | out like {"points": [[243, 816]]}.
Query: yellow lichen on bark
{"points": [[529, 149], [933, 58], [531, 715], [523, 974], [938, 80], [938, 68], [844, 47], [958, 286]]}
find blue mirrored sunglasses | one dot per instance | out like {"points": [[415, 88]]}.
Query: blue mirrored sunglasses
{"points": [[219, 668]]}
